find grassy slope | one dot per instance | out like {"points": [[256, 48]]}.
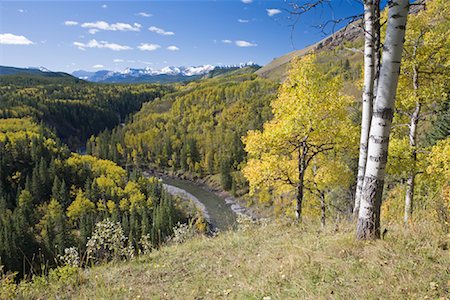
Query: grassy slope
{"points": [[276, 261]]}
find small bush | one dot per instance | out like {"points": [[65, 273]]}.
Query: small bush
{"points": [[107, 243], [182, 233], [71, 257]]}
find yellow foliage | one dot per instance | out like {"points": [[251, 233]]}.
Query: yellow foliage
{"points": [[200, 224], [80, 206], [124, 204], [101, 206], [111, 206], [310, 110], [98, 167]]}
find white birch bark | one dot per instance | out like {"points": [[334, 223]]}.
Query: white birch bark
{"points": [[409, 197], [369, 213], [377, 46], [368, 90], [414, 120]]}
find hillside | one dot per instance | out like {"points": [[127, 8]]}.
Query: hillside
{"points": [[74, 108], [10, 71], [349, 39], [231, 71], [278, 68], [268, 262]]}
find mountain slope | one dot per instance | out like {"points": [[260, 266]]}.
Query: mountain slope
{"points": [[30, 76], [231, 71], [278, 68], [4, 70], [350, 38]]}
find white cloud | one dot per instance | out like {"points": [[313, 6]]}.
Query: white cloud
{"points": [[273, 11], [148, 47], [144, 14], [70, 23], [247, 1], [227, 41], [160, 31], [21, 10], [118, 60], [104, 6], [102, 25], [245, 44], [12, 39], [243, 21], [98, 66], [101, 45], [173, 48]]}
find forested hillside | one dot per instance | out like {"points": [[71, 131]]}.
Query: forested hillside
{"points": [[75, 109], [50, 201], [196, 129]]}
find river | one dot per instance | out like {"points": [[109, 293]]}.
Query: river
{"points": [[218, 212]]}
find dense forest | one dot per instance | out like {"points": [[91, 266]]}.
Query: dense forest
{"points": [[51, 199]]}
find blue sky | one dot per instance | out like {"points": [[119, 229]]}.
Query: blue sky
{"points": [[113, 35]]}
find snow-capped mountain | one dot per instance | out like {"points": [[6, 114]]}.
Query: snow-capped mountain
{"points": [[147, 74], [185, 71]]}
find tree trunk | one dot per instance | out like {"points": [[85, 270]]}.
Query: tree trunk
{"points": [[323, 209], [377, 46], [409, 198], [301, 175], [369, 73], [369, 213]]}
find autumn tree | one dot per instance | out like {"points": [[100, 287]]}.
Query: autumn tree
{"points": [[310, 118]]}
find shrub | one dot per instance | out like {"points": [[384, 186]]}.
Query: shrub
{"points": [[108, 242], [182, 233], [71, 257]]}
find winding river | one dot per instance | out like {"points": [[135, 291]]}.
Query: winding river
{"points": [[217, 210]]}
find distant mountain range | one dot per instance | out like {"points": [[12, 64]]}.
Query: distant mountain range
{"points": [[164, 75], [131, 75]]}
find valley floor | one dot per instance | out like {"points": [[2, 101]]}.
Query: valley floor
{"points": [[273, 261]]}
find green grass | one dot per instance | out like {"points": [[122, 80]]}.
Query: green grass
{"points": [[279, 261]]}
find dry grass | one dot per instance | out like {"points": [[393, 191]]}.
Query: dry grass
{"points": [[277, 261]]}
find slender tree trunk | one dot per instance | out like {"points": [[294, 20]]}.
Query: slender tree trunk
{"points": [[377, 46], [409, 198], [301, 176], [369, 73], [322, 209], [369, 213], [321, 195]]}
